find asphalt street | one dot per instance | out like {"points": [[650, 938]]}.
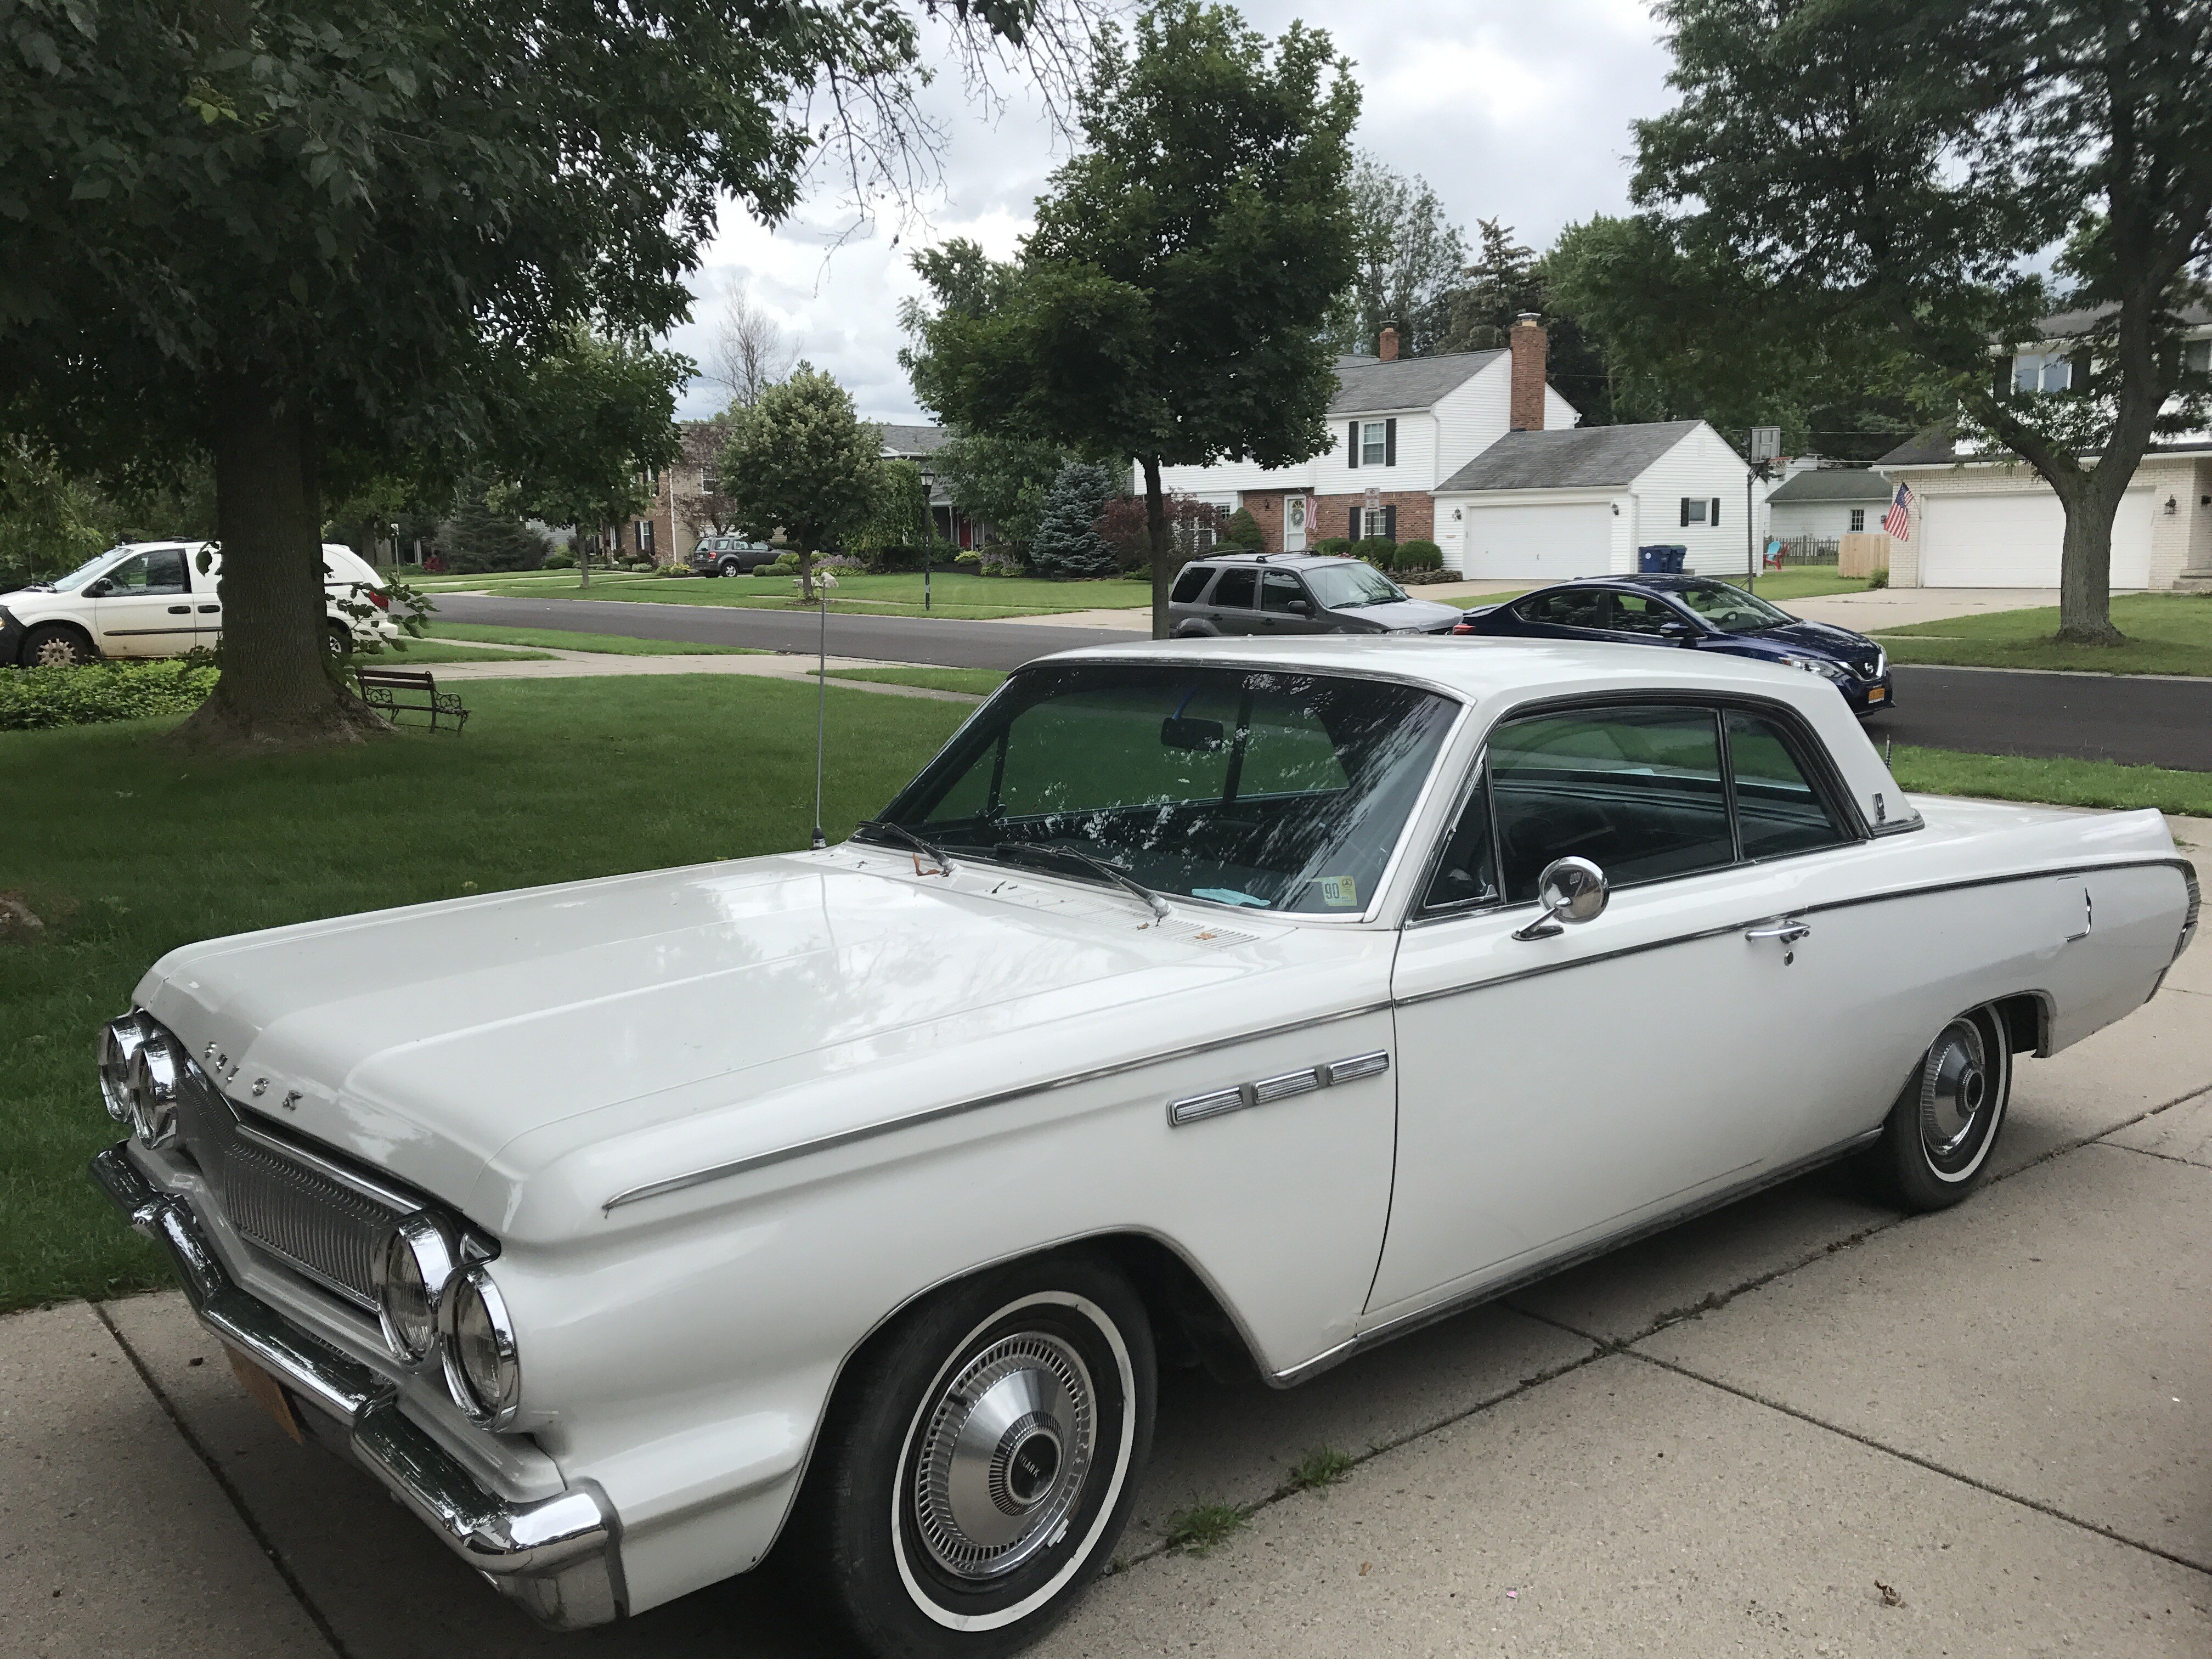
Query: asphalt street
{"points": [[2142, 722]]}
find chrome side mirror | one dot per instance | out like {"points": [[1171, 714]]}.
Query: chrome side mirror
{"points": [[1570, 889]]}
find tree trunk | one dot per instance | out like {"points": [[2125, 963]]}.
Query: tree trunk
{"points": [[278, 690], [2085, 565], [1163, 547]]}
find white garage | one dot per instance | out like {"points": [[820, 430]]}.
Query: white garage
{"points": [[2015, 540], [1542, 542]]}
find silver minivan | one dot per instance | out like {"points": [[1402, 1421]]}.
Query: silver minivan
{"points": [[1270, 593]]}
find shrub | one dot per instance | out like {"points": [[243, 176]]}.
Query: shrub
{"points": [[971, 559], [1879, 578], [1243, 530], [1335, 547], [674, 569], [1001, 560], [33, 698], [841, 564], [786, 562], [1377, 551], [481, 536], [560, 559], [1418, 556], [1068, 542]]}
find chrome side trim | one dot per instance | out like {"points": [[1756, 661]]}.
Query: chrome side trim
{"points": [[1406, 1324], [959, 1108], [560, 1556]]}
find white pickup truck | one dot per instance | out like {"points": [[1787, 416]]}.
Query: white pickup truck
{"points": [[161, 599]]}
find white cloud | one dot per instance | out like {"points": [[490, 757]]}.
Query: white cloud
{"points": [[1516, 112]]}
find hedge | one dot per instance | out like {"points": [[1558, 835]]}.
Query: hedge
{"points": [[31, 698]]}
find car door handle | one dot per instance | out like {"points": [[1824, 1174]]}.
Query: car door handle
{"points": [[180, 610], [1788, 932], [210, 610]]}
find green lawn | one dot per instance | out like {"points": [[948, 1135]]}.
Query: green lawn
{"points": [[959, 596], [125, 850], [1803, 581], [2167, 634], [2065, 782], [412, 653], [981, 682], [561, 639]]}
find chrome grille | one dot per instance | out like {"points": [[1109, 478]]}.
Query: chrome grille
{"points": [[280, 1202]]}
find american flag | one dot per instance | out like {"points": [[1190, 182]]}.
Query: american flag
{"points": [[1898, 520]]}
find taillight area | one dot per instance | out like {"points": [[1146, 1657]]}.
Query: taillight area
{"points": [[1462, 627], [380, 599]]}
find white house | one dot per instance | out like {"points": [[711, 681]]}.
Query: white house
{"points": [[1407, 429], [1548, 506], [1822, 503], [1986, 518]]}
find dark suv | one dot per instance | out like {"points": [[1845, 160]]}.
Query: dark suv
{"points": [[1265, 593], [730, 555]]}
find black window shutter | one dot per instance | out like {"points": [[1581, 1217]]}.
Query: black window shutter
{"points": [[1352, 459], [2001, 383], [1686, 512], [1390, 520], [2078, 379], [1390, 441], [1714, 518]]}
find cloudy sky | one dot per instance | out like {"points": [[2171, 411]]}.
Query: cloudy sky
{"points": [[1511, 109]]}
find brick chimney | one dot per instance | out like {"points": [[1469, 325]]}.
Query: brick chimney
{"points": [[1528, 343], [1387, 347]]}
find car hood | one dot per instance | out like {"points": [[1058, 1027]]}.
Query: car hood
{"points": [[1422, 614], [1813, 639], [525, 1055]]}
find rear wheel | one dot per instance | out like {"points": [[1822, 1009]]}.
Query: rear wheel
{"points": [[1936, 1147], [981, 1460], [57, 645], [338, 640], [729, 568]]}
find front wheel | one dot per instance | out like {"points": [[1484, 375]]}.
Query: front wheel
{"points": [[57, 645], [338, 641], [980, 1461], [1934, 1149]]}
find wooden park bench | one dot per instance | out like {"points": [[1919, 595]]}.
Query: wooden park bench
{"points": [[395, 691]]}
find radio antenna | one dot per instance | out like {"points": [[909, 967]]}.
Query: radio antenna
{"points": [[1885, 743], [824, 581]]}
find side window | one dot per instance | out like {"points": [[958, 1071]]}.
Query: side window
{"points": [[165, 570], [1636, 790], [1190, 585], [1566, 607], [129, 575], [1778, 809], [1639, 613], [1278, 589], [1235, 588], [1466, 874]]}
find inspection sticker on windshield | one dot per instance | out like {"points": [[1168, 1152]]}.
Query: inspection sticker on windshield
{"points": [[1340, 890]]}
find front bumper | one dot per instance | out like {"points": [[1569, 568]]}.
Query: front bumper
{"points": [[1869, 696], [11, 637], [561, 1557]]}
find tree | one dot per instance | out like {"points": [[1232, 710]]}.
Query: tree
{"points": [[1905, 167], [1000, 481], [1191, 523], [272, 234], [1409, 256], [709, 510], [799, 463], [486, 533], [749, 352], [1068, 542], [900, 517], [1243, 530], [1499, 284], [1170, 304]]}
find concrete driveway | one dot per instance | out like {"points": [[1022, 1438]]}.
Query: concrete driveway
{"points": [[1801, 1426]]}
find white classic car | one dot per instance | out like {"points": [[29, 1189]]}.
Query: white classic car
{"points": [[1243, 1004]]}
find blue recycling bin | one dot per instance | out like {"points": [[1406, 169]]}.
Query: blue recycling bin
{"points": [[1662, 559]]}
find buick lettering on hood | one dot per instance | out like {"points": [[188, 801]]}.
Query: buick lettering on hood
{"points": [[1237, 1004]]}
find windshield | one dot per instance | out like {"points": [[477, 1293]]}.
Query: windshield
{"points": [[85, 572], [1730, 609], [1281, 791], [1351, 587]]}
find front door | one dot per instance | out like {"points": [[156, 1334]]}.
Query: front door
{"points": [[1294, 524], [1554, 1090], [146, 610], [1286, 607]]}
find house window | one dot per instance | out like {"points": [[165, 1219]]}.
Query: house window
{"points": [[2042, 371], [645, 537], [710, 483], [1858, 520], [1377, 523], [1375, 443], [2197, 357], [1694, 510]]}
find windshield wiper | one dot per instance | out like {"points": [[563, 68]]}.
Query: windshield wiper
{"points": [[899, 832], [1113, 872]]}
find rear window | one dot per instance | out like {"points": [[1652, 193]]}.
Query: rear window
{"points": [[1235, 588], [1191, 584]]}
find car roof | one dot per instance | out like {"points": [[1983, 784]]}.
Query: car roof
{"points": [[1278, 561], [1498, 674], [1657, 583]]}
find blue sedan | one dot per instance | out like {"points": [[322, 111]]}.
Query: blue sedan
{"points": [[1698, 613]]}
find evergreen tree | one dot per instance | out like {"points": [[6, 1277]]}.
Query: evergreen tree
{"points": [[1243, 530], [483, 536], [1068, 542]]}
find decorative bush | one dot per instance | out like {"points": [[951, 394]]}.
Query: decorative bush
{"points": [[1334, 547], [841, 564], [1068, 542], [31, 698], [969, 559], [1243, 530], [1418, 556], [560, 559], [1001, 560], [1377, 551], [675, 570], [787, 562]]}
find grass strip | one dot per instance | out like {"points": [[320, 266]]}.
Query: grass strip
{"points": [[2060, 782]]}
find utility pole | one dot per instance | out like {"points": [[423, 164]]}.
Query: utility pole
{"points": [[1766, 444]]}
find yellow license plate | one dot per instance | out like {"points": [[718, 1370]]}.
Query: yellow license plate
{"points": [[1878, 695], [266, 1393]]}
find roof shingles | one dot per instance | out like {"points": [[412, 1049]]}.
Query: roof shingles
{"points": [[1569, 458]]}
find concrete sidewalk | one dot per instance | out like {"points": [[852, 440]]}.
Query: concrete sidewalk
{"points": [[1803, 1425]]}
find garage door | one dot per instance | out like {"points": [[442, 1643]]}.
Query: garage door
{"points": [[2013, 541], [1548, 544]]}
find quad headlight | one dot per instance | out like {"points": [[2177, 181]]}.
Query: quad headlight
{"points": [[156, 1070], [411, 1272], [120, 1040], [476, 1339]]}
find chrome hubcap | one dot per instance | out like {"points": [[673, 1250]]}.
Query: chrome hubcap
{"points": [[1004, 1454], [1955, 1089]]}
